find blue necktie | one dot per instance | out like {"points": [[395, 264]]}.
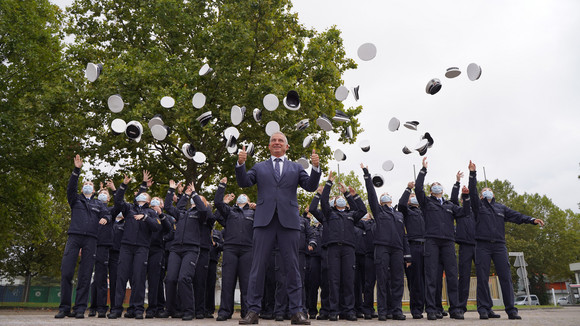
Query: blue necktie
{"points": [[277, 168]]}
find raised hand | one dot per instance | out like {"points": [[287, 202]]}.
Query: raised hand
{"points": [[172, 184], [425, 163], [465, 190], [341, 187], [538, 221], [331, 176], [101, 186], [78, 161], [352, 191], [224, 180], [471, 166], [180, 187], [127, 179], [110, 185], [314, 159], [242, 156], [190, 188], [459, 175], [411, 185], [228, 198], [252, 205], [362, 166], [319, 190]]}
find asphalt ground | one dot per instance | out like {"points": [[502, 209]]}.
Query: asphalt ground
{"points": [[542, 317]]}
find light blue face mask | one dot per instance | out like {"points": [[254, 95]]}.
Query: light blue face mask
{"points": [[241, 200], [141, 197], [88, 189], [104, 198], [414, 201], [155, 202], [386, 199], [340, 202], [487, 194], [437, 189]]}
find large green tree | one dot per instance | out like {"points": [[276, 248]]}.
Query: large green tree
{"points": [[152, 49]]}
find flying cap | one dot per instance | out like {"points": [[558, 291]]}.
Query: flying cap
{"points": [[231, 135], [388, 165], [304, 162], [340, 116], [378, 180], [205, 69], [292, 101], [257, 114], [302, 124], [433, 86], [406, 150], [422, 146], [348, 132], [204, 118], [134, 130], [307, 141], [339, 155], [115, 103], [429, 139], [271, 102], [93, 71], [473, 71], [341, 93], [160, 132], [355, 93], [167, 102], [156, 120], [324, 123], [411, 125], [198, 100], [367, 51], [452, 72], [272, 127], [250, 149], [365, 145], [199, 158], [188, 150], [394, 124], [118, 126], [237, 114]]}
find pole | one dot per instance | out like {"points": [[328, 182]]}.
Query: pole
{"points": [[554, 297], [414, 172], [485, 176], [338, 174]]}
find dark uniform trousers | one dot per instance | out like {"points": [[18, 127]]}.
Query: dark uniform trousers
{"points": [[439, 289], [179, 278], [113, 272], [324, 284], [341, 259], [264, 240], [436, 251], [415, 278], [210, 287], [154, 278], [236, 266], [466, 257], [313, 278], [199, 280], [389, 270], [369, 285], [99, 285], [74, 244], [359, 282], [132, 264], [161, 291], [496, 251]]}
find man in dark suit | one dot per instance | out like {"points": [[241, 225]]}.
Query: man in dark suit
{"points": [[276, 220]]}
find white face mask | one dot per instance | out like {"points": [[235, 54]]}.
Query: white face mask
{"points": [[488, 194]]}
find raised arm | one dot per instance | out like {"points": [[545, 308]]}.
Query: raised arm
{"points": [[202, 210], [355, 203], [73, 181], [168, 203], [223, 208], [313, 209], [473, 193], [244, 179], [372, 194], [120, 204], [310, 183], [404, 200], [326, 209], [419, 183], [455, 190]]}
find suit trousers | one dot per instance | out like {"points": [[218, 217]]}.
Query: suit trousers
{"points": [[264, 241], [485, 252], [74, 245]]}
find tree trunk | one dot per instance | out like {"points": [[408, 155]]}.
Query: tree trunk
{"points": [[27, 280]]}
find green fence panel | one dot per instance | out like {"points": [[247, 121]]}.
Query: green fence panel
{"points": [[38, 294]]}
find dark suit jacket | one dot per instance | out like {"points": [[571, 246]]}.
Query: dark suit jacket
{"points": [[281, 195]]}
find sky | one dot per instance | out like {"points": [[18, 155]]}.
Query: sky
{"points": [[520, 120]]}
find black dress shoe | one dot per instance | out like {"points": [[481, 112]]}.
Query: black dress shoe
{"points": [[322, 317], [266, 316], [102, 315], [187, 317], [351, 317], [399, 317], [79, 315], [299, 318], [417, 316], [149, 315], [312, 316], [221, 318], [375, 315], [492, 314], [200, 316], [208, 315], [383, 317], [368, 317], [389, 316], [444, 313], [431, 316], [333, 317], [514, 316], [113, 315], [129, 315], [439, 315], [360, 315], [139, 315], [92, 313], [250, 318], [483, 315], [177, 315], [279, 318], [162, 314], [457, 315], [61, 314]]}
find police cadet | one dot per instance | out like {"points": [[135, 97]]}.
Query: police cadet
{"points": [[313, 270], [368, 225], [87, 213], [155, 263], [237, 253], [415, 226], [200, 277], [439, 216], [184, 250], [490, 217], [140, 222], [104, 244], [215, 253], [339, 224], [465, 238], [391, 251]]}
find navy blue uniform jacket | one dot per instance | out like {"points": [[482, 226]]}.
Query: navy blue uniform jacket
{"points": [[137, 233]]}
